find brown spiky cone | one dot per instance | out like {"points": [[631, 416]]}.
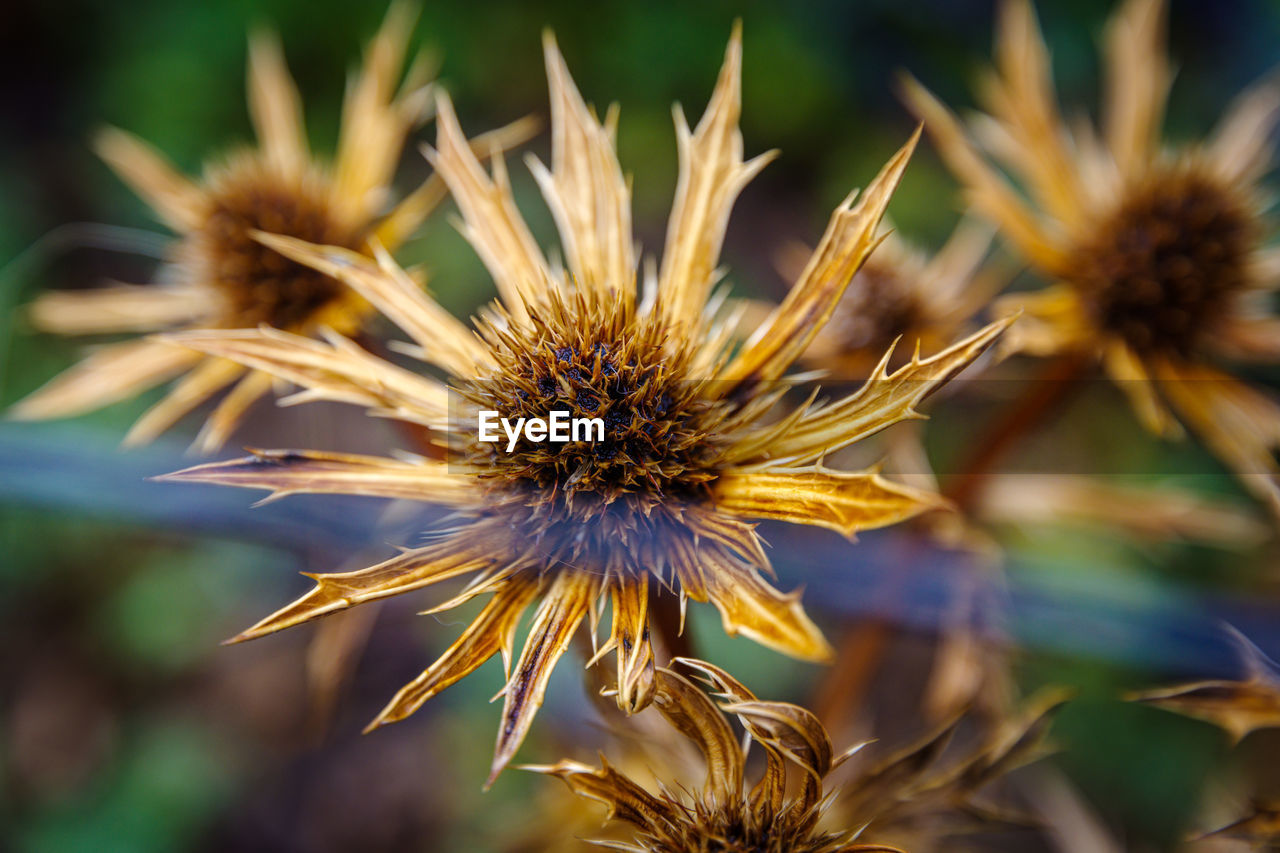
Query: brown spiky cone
{"points": [[693, 449], [802, 801]]}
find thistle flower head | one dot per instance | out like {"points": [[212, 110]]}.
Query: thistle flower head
{"points": [[778, 814], [807, 797], [1156, 252], [691, 451], [219, 276]]}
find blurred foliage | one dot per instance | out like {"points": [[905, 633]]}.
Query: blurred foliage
{"points": [[125, 727]]}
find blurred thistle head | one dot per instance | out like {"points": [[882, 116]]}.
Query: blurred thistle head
{"points": [[901, 293], [219, 276], [1156, 252], [690, 451], [803, 801], [780, 814]]}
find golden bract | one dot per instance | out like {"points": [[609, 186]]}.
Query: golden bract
{"points": [[693, 452]]}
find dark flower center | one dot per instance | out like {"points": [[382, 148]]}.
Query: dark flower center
{"points": [[1165, 266], [656, 444], [261, 285]]}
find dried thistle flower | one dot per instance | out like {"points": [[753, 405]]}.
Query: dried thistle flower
{"points": [[1156, 252], [787, 809], [780, 813], [691, 449], [219, 276], [902, 293]]}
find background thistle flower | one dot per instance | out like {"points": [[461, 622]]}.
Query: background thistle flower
{"points": [[221, 276], [691, 452], [900, 798], [1155, 254], [125, 725]]}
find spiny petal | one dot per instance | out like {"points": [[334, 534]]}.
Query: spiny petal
{"points": [[721, 682], [793, 732], [845, 502], [690, 711], [1138, 80], [770, 791], [625, 799], [210, 377], [1165, 514], [275, 106], [119, 308], [411, 570], [336, 369], [1127, 370], [585, 189], [312, 472], [492, 222], [1238, 707], [1021, 98], [443, 340], [988, 191], [750, 606], [1237, 423], [1240, 148], [177, 200], [1018, 740], [630, 636], [375, 121], [564, 605], [952, 279], [1053, 321], [712, 173], [108, 375], [849, 240], [883, 400], [410, 211], [493, 630]]}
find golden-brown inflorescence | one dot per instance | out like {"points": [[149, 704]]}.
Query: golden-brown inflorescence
{"points": [[779, 814], [218, 275], [807, 798], [1155, 255], [695, 447], [1163, 270]]}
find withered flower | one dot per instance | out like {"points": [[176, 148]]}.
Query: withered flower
{"points": [[218, 275], [690, 451], [890, 801], [903, 293], [1156, 252]]}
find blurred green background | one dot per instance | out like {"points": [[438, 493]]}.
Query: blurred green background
{"points": [[125, 726]]}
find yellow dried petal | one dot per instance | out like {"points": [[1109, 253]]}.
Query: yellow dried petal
{"points": [[845, 502], [298, 472]]}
